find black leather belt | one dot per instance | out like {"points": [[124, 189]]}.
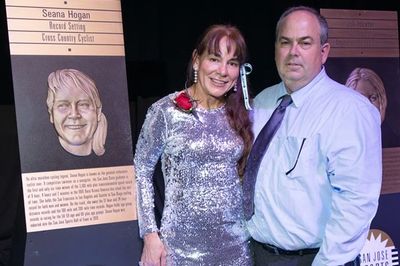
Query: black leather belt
{"points": [[279, 251]]}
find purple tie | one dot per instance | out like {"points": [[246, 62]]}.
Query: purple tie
{"points": [[260, 146]]}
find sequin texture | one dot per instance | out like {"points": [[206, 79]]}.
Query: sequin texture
{"points": [[203, 221]]}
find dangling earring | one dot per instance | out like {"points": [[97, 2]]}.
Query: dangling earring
{"points": [[195, 76], [235, 87]]}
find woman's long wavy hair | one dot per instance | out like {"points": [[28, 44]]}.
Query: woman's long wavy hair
{"points": [[238, 116]]}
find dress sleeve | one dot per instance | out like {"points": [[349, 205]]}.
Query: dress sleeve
{"points": [[149, 147]]}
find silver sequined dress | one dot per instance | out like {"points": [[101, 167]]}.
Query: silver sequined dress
{"points": [[203, 222]]}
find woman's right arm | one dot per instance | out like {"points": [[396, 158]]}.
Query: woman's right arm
{"points": [[149, 147], [154, 252]]}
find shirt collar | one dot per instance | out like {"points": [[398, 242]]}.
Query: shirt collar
{"points": [[301, 94]]}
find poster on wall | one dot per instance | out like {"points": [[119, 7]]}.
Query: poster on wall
{"points": [[75, 144], [364, 56]]}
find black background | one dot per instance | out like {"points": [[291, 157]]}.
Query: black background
{"points": [[160, 36]]}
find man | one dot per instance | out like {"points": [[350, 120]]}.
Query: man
{"points": [[318, 185], [75, 110]]}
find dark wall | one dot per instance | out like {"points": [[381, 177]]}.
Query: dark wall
{"points": [[160, 36]]}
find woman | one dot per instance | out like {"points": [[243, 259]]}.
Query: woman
{"points": [[203, 135], [75, 110], [369, 84]]}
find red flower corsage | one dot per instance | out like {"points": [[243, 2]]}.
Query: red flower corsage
{"points": [[184, 102]]}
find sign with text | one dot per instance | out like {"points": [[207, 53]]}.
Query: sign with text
{"points": [[65, 28], [61, 199], [362, 33], [74, 134]]}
